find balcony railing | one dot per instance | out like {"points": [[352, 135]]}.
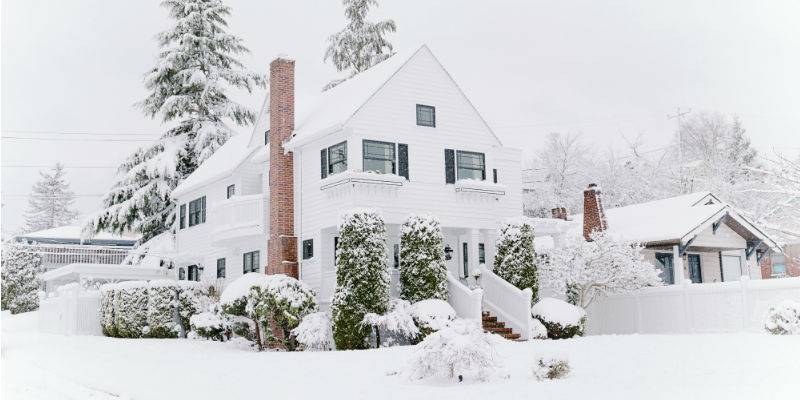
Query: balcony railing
{"points": [[238, 216]]}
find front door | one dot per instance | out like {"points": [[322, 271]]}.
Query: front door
{"points": [[465, 251], [694, 268]]}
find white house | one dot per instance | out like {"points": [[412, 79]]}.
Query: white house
{"points": [[400, 137]]}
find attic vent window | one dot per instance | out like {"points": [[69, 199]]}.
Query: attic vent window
{"points": [[426, 115]]}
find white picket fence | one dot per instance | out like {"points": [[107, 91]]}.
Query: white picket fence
{"points": [[72, 311], [692, 308]]}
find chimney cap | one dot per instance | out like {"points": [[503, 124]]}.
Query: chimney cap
{"points": [[592, 185]]}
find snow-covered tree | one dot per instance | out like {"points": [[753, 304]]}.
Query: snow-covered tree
{"points": [[423, 273], [22, 266], [281, 303], [516, 258], [362, 277], [361, 44], [782, 178], [50, 203], [189, 90], [599, 268], [559, 170]]}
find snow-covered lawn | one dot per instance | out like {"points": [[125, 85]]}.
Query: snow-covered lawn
{"points": [[737, 366]]}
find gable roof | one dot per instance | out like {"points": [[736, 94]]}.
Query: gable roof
{"points": [[222, 163], [72, 234]]}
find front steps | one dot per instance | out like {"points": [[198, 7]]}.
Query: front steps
{"points": [[492, 325]]}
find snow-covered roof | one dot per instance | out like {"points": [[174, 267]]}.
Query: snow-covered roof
{"points": [[72, 272], [71, 234], [222, 163]]}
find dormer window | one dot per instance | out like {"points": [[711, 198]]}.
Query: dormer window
{"points": [[426, 115], [266, 138]]}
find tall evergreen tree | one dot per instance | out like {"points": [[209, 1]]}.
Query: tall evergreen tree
{"points": [[361, 44], [188, 87], [515, 260], [22, 266], [423, 273], [50, 203], [362, 277]]}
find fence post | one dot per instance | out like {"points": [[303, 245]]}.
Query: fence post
{"points": [[744, 281]]}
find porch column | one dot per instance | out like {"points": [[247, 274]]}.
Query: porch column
{"points": [[677, 266], [474, 239]]}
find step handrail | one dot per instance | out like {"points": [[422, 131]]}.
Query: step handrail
{"points": [[466, 301], [509, 303]]}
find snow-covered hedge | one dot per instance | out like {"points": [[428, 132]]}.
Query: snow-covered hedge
{"points": [[551, 368], [432, 315], [396, 325], [130, 309], [423, 273], [561, 319], [189, 294], [21, 270], [210, 325], [314, 332], [107, 321], [783, 318], [161, 308], [461, 350]]}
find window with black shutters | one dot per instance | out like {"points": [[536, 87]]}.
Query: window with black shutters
{"points": [[402, 160], [250, 262], [308, 249], [337, 158], [426, 115], [471, 165], [220, 268], [379, 156], [197, 211], [231, 191], [449, 166], [183, 216]]}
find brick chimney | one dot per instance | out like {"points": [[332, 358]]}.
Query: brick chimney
{"points": [[282, 251], [594, 216], [559, 213]]}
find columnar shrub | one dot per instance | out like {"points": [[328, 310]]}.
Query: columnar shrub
{"points": [[21, 267], [561, 319], [130, 309], [161, 308], [423, 273], [107, 320], [515, 260], [362, 277], [280, 303]]}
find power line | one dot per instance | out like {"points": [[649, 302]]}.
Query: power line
{"points": [[63, 166], [53, 197], [76, 139], [79, 133]]}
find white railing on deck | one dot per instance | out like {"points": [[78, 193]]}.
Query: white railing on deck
{"points": [[239, 212], [510, 304], [465, 301], [59, 255]]}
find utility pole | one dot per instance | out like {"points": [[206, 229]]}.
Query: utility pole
{"points": [[677, 117]]}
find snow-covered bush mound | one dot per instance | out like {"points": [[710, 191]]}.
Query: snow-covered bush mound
{"points": [[107, 321], [189, 294], [130, 309], [784, 318], [395, 326], [314, 332], [553, 367], [461, 350], [538, 331], [161, 305], [432, 315], [561, 319], [210, 325], [237, 290]]}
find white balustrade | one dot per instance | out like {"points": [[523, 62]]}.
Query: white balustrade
{"points": [[465, 301], [239, 216], [510, 304]]}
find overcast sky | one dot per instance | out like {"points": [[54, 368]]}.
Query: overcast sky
{"points": [[600, 69]]}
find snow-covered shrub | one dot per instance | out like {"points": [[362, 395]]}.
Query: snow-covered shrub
{"points": [[783, 318], [397, 322], [161, 305], [423, 273], [280, 303], [516, 258], [107, 322], [432, 315], [362, 277], [551, 368], [561, 319], [314, 332], [130, 309], [538, 331], [189, 303], [235, 301], [21, 267], [210, 325], [602, 267], [461, 350]]}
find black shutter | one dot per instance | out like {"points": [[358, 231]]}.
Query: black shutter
{"points": [[203, 205], [403, 156], [323, 158], [494, 172], [449, 166]]}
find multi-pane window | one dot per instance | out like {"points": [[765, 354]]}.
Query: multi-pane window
{"points": [[481, 253], [308, 249], [426, 115], [250, 262], [231, 191], [379, 157], [197, 211], [778, 264], [471, 165], [337, 158], [183, 216], [220, 268]]}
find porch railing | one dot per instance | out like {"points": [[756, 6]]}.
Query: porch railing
{"points": [[465, 301], [240, 213], [58, 255], [510, 304]]}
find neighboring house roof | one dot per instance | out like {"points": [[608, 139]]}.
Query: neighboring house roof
{"points": [[71, 234], [221, 164]]}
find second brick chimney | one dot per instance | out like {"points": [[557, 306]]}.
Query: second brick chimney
{"points": [[559, 213], [282, 244], [594, 216]]}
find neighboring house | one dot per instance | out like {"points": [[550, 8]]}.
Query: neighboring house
{"points": [[695, 236], [782, 265], [64, 245], [400, 137]]}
